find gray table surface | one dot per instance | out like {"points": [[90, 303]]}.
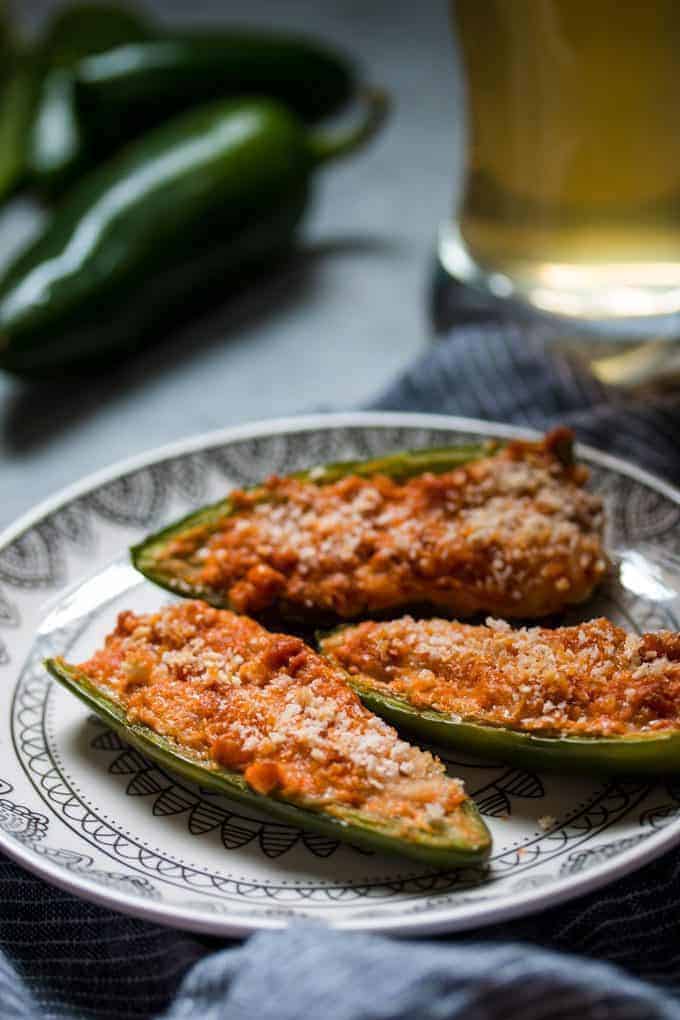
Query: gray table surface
{"points": [[329, 330]]}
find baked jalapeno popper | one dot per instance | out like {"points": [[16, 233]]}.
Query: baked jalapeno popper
{"points": [[264, 719], [587, 698], [462, 529]]}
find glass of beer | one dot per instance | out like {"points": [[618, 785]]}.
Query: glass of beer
{"points": [[571, 201]]}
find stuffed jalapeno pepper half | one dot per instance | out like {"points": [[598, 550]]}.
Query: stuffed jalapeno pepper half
{"points": [[589, 698], [464, 529], [264, 719]]}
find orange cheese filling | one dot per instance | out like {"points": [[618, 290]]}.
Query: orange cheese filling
{"points": [[593, 679], [514, 534], [269, 707]]}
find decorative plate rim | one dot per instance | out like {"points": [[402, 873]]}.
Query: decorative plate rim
{"points": [[445, 918]]}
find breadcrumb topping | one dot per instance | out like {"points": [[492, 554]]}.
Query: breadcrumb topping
{"points": [[268, 706], [593, 679], [515, 534]]}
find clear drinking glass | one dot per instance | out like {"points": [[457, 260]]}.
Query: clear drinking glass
{"points": [[571, 203]]}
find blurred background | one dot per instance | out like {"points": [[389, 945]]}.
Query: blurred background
{"points": [[325, 330]]}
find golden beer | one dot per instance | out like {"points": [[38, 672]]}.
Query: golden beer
{"points": [[572, 192]]}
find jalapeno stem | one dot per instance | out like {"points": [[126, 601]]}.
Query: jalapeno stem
{"points": [[325, 146]]}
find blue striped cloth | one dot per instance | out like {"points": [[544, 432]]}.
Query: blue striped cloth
{"points": [[614, 954], [509, 374]]}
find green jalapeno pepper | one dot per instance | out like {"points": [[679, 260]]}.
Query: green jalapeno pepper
{"points": [[464, 840], [646, 754], [202, 198], [113, 93], [149, 556]]}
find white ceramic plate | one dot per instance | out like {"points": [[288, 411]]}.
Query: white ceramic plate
{"points": [[90, 815]]}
